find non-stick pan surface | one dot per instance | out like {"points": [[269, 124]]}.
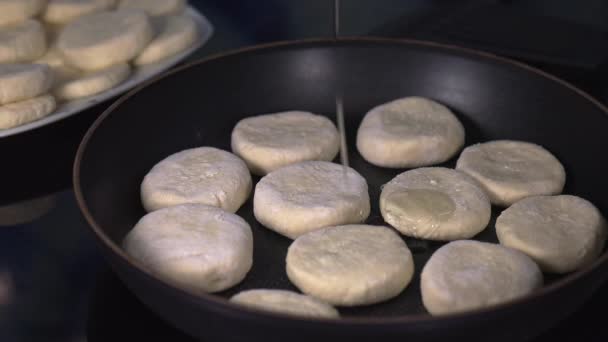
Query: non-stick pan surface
{"points": [[199, 105]]}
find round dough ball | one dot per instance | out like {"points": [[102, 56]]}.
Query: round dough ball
{"points": [[350, 265], [511, 170], [61, 12], [409, 132], [155, 7], [303, 197], [465, 275], [22, 42], [100, 40], [93, 83], [435, 203], [174, 34], [16, 11], [282, 301], [20, 82], [561, 233], [20, 113], [269, 142], [202, 248], [204, 175]]}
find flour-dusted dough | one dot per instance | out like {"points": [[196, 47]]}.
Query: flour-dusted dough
{"points": [[60, 12], [22, 42], [465, 275], [561, 233], [19, 113], [100, 40], [93, 83], [303, 197], [15, 11], [409, 132], [511, 170], [350, 265], [174, 34], [435, 203], [269, 142], [203, 248], [155, 7], [20, 82], [204, 175], [283, 301]]}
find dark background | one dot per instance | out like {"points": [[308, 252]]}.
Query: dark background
{"points": [[54, 285]]}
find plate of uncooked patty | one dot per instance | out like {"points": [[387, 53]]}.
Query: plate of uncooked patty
{"points": [[76, 87]]}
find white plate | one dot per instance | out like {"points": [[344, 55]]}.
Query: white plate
{"points": [[140, 75]]}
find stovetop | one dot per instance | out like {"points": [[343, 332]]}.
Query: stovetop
{"points": [[54, 285]]}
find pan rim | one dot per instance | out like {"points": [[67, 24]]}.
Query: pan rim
{"points": [[237, 311]]}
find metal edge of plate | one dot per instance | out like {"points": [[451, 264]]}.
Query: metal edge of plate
{"points": [[139, 76]]}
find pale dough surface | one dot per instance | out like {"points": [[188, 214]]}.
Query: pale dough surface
{"points": [[19, 113], [155, 7], [561, 233], [202, 248], [435, 203], [511, 170], [350, 265], [283, 301], [204, 175], [174, 34], [15, 11], [466, 275], [100, 40], [92, 83], [60, 70], [20, 82], [303, 197], [409, 132], [271, 141], [22, 42], [63, 11]]}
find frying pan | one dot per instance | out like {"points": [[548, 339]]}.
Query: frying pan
{"points": [[199, 104]]}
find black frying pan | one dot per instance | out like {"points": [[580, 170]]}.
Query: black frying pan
{"points": [[199, 104]]}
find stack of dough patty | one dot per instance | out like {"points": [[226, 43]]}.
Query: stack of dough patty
{"points": [[86, 46], [24, 87], [337, 259]]}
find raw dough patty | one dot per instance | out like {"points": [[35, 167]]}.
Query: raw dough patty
{"points": [[409, 132], [282, 301], [303, 197], [22, 42], [23, 112], [465, 275], [204, 175], [561, 233], [511, 170], [100, 40], [23, 81], [64, 11], [93, 83], [350, 265], [174, 34], [269, 142], [15, 11], [435, 203], [202, 248], [155, 7]]}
